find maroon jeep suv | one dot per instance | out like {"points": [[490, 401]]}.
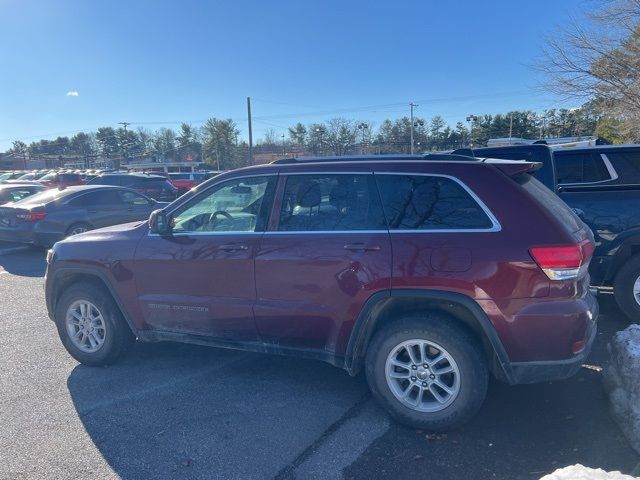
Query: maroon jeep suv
{"points": [[428, 272]]}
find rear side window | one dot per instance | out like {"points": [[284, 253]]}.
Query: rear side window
{"points": [[626, 163], [584, 167], [131, 198], [331, 202], [426, 202], [101, 197]]}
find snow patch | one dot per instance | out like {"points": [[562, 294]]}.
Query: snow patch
{"points": [[622, 381], [580, 472]]}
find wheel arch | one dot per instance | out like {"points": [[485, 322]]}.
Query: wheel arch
{"points": [[65, 277], [383, 307]]}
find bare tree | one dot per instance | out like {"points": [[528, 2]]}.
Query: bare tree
{"points": [[600, 59]]}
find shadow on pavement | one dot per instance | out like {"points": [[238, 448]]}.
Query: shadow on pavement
{"points": [[172, 410], [31, 262], [522, 432]]}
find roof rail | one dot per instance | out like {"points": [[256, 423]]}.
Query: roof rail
{"points": [[449, 157]]}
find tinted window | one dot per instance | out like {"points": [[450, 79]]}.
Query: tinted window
{"points": [[101, 197], [16, 195], [422, 202], [626, 163], [131, 198], [552, 203], [330, 203], [240, 205], [585, 167]]}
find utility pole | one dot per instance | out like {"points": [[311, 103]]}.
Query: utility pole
{"points": [[126, 140], [250, 131], [411, 105]]}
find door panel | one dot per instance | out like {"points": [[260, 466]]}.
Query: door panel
{"points": [[311, 288], [195, 284]]}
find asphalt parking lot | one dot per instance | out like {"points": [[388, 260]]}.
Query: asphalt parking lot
{"points": [[181, 411]]}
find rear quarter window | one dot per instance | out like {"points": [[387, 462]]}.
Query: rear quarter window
{"points": [[427, 202]]}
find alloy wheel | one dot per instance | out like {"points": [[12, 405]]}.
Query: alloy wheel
{"points": [[85, 326], [422, 375]]}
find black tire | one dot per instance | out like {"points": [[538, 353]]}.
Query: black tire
{"points": [[458, 342], [118, 336], [623, 288], [79, 225]]}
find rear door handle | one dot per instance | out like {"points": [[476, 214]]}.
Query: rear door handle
{"points": [[233, 247], [361, 247]]}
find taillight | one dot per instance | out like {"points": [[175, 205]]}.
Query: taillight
{"points": [[31, 216], [563, 262]]}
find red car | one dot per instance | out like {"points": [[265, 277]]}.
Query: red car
{"points": [[61, 180], [428, 272], [186, 181]]}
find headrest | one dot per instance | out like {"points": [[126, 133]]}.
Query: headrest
{"points": [[308, 194]]}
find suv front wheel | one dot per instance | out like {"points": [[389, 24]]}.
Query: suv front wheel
{"points": [[91, 326], [427, 372]]}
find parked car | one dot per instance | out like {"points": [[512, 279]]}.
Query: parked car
{"points": [[429, 273], [46, 217], [186, 181], [154, 186], [14, 192], [10, 176], [61, 180], [602, 185]]}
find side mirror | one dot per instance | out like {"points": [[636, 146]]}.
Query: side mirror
{"points": [[158, 222]]}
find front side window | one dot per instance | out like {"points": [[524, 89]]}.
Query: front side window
{"points": [[330, 202], [580, 168], [423, 202], [239, 205]]}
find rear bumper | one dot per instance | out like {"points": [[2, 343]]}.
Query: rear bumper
{"points": [[29, 236], [549, 370]]}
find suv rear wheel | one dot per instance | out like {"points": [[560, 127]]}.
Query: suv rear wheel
{"points": [[626, 288], [91, 326], [427, 372]]}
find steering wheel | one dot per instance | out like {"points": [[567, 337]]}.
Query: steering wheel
{"points": [[214, 215]]}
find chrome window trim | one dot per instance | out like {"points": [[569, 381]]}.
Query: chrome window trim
{"points": [[322, 232], [607, 163], [495, 224]]}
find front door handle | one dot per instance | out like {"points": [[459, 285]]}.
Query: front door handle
{"points": [[361, 247], [233, 247]]}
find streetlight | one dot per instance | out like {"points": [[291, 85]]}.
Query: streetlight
{"points": [[364, 127], [283, 149], [411, 105], [471, 119]]}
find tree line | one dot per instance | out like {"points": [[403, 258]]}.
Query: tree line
{"points": [[218, 141]]}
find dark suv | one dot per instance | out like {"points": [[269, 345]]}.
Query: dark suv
{"points": [[428, 272], [154, 186]]}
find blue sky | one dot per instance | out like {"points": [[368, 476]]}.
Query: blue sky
{"points": [[156, 63]]}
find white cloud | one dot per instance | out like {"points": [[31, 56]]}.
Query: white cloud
{"points": [[73, 93]]}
